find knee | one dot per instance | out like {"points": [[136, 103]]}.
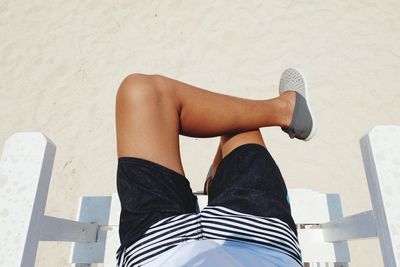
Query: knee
{"points": [[140, 89], [137, 86]]}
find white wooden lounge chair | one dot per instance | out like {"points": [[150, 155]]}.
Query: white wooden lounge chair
{"points": [[25, 170]]}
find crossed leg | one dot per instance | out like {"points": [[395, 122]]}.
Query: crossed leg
{"points": [[153, 110]]}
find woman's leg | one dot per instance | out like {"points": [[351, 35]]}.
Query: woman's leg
{"points": [[152, 110]]}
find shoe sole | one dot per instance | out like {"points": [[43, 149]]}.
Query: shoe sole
{"points": [[314, 123]]}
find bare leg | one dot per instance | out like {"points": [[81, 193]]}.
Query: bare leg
{"points": [[217, 159], [152, 110]]}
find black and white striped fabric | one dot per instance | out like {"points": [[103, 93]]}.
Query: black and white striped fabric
{"points": [[213, 222]]}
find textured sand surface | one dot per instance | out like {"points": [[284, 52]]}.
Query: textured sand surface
{"points": [[62, 62]]}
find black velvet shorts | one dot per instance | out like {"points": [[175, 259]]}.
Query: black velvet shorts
{"points": [[247, 180]]}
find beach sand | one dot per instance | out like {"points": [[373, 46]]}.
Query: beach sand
{"points": [[62, 62]]}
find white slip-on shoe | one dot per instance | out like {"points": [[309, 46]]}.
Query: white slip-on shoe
{"points": [[303, 125]]}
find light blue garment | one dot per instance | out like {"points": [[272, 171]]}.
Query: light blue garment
{"points": [[217, 253]]}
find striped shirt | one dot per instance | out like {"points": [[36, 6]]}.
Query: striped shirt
{"points": [[212, 223]]}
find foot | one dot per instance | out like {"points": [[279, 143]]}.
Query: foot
{"points": [[302, 123]]}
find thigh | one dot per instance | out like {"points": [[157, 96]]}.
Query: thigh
{"points": [[147, 122], [149, 193], [247, 202], [249, 181]]}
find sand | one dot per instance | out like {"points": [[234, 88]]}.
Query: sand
{"points": [[62, 62]]}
